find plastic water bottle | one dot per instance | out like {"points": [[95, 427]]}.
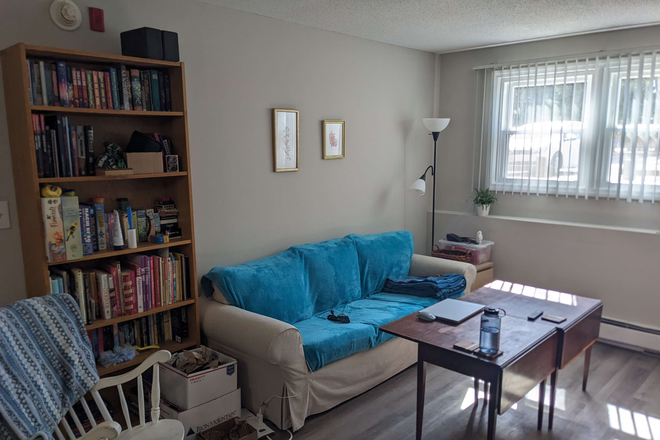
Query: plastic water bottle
{"points": [[491, 324]]}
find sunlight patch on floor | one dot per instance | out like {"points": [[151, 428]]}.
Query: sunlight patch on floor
{"points": [[633, 423]]}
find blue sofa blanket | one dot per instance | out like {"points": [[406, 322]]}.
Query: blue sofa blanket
{"points": [[302, 284]]}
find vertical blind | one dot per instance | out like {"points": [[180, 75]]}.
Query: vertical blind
{"points": [[582, 127]]}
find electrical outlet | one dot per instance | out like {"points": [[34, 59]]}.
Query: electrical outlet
{"points": [[4, 216]]}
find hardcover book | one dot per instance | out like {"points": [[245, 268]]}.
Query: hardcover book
{"points": [[103, 289], [85, 95], [97, 89], [53, 229], [116, 104], [44, 83], [155, 91], [61, 79], [104, 98], [71, 226], [90, 89], [100, 226], [146, 90], [55, 86], [125, 89], [108, 90], [136, 89], [69, 87], [89, 139], [76, 89]]}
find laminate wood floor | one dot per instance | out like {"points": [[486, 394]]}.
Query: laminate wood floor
{"points": [[622, 402]]}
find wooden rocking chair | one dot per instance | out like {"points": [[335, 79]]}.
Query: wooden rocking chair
{"points": [[155, 429]]}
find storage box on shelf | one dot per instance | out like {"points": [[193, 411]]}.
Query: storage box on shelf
{"points": [[480, 252], [109, 125]]}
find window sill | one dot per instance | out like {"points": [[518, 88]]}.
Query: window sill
{"points": [[553, 222]]}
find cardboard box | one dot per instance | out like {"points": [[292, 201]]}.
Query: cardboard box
{"points": [[204, 416], [145, 163], [190, 390], [221, 431]]}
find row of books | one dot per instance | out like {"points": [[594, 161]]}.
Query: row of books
{"points": [[62, 84], [134, 285], [171, 325], [63, 149], [73, 230]]}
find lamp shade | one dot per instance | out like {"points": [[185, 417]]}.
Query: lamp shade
{"points": [[436, 125], [419, 185]]}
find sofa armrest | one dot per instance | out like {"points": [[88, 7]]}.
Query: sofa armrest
{"points": [[425, 266], [258, 336]]}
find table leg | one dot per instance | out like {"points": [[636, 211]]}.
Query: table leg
{"points": [[553, 392], [585, 374], [421, 388], [492, 408], [539, 425], [476, 391]]}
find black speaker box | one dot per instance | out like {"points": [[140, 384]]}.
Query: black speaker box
{"points": [[143, 43], [170, 46]]}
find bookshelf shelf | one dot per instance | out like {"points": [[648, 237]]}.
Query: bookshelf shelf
{"points": [[141, 189], [103, 322], [142, 247], [106, 178], [102, 112], [171, 346]]}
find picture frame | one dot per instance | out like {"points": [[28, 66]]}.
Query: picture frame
{"points": [[286, 140], [172, 161], [334, 139]]}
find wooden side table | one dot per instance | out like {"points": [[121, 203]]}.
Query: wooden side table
{"points": [[485, 274]]}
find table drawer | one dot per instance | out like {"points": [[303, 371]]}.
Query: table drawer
{"points": [[580, 336]]}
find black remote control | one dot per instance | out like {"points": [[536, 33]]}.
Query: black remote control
{"points": [[535, 315]]}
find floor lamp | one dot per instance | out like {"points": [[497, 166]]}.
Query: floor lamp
{"points": [[435, 126]]}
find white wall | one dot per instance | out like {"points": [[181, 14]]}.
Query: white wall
{"points": [[618, 267], [238, 67]]}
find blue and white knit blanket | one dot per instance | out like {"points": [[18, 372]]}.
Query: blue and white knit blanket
{"points": [[46, 364]]}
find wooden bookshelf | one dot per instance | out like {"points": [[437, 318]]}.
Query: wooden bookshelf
{"points": [[141, 189]]}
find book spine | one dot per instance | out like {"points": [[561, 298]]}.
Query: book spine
{"points": [[97, 90], [168, 91], [48, 86], [113, 287], [44, 82], [81, 99], [108, 90], [56, 85], [89, 140], [100, 226], [104, 291], [90, 89], [155, 90], [146, 90], [140, 291], [82, 151], [76, 89], [136, 89], [37, 145], [70, 86], [30, 85], [49, 167], [134, 299], [79, 291], [53, 229], [36, 80], [85, 89], [73, 145], [127, 291], [125, 88], [72, 235], [61, 79], [115, 89], [67, 147], [161, 91], [142, 232], [86, 229], [104, 101]]}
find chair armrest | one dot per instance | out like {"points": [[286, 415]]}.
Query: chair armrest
{"points": [[257, 336], [425, 266], [103, 430]]}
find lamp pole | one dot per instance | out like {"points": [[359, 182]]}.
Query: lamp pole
{"points": [[435, 154]]}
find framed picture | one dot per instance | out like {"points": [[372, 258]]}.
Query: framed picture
{"points": [[286, 143], [334, 139]]}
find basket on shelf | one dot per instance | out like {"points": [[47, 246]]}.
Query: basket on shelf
{"points": [[456, 255]]}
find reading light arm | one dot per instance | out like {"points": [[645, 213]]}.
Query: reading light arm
{"points": [[430, 167]]}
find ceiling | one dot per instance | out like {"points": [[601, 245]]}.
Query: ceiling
{"points": [[441, 26]]}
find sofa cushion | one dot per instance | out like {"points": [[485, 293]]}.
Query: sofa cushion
{"points": [[382, 256], [325, 341], [332, 271], [292, 285], [275, 286]]}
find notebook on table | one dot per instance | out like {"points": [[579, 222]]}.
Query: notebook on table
{"points": [[453, 311]]}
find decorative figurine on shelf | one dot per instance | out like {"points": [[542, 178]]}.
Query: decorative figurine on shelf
{"points": [[480, 237], [113, 158]]}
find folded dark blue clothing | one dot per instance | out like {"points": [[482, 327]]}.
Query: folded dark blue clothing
{"points": [[440, 287]]}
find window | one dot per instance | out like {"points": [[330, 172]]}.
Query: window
{"points": [[585, 128]]}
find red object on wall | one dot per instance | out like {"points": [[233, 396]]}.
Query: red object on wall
{"points": [[96, 22]]}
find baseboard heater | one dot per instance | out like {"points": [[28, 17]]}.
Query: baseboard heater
{"points": [[636, 328]]}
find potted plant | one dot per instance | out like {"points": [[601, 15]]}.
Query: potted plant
{"points": [[482, 200]]}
